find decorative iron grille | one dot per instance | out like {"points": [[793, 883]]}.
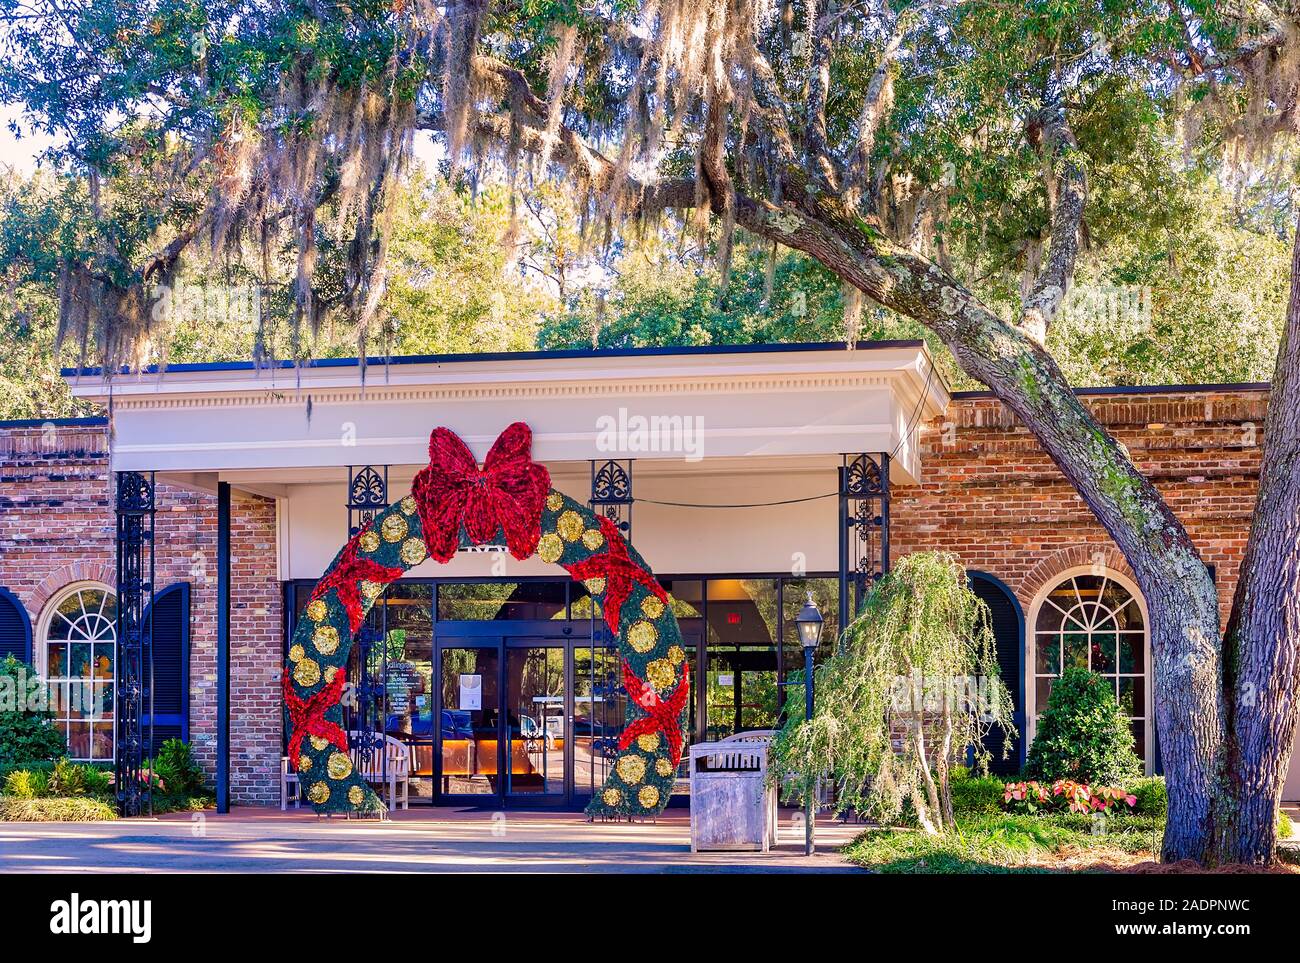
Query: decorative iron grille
{"points": [[864, 529], [133, 671]]}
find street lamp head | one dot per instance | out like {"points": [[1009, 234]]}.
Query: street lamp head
{"points": [[809, 620]]}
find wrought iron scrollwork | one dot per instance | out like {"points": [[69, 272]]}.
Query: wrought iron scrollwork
{"points": [[864, 529], [367, 495], [611, 492], [133, 672]]}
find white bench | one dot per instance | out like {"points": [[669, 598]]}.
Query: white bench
{"points": [[392, 770]]}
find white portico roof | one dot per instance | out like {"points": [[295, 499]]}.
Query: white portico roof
{"points": [[260, 427]]}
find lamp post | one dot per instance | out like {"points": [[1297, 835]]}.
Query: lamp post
{"points": [[810, 624]]}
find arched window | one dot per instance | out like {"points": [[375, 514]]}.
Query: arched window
{"points": [[1093, 620], [76, 655]]}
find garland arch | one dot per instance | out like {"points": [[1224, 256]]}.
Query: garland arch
{"points": [[455, 503]]}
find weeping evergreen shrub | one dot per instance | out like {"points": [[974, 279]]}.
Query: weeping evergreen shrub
{"points": [[918, 666], [1082, 735]]}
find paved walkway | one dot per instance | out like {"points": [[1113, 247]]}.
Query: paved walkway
{"points": [[438, 840]]}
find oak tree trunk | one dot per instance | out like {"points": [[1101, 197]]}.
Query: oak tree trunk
{"points": [[1261, 669]]}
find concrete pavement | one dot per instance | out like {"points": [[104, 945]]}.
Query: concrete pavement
{"points": [[436, 840]]}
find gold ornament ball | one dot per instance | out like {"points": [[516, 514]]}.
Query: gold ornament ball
{"points": [[648, 742], [413, 551], [664, 767], [394, 528], [371, 590], [554, 501], [611, 797], [642, 636], [631, 769], [550, 548], [296, 653], [318, 743], [651, 607], [356, 795], [331, 672], [306, 673], [338, 766], [317, 610], [369, 540], [408, 505], [304, 762], [676, 655], [661, 674], [319, 793], [570, 526], [593, 539], [648, 797], [595, 585], [326, 640]]}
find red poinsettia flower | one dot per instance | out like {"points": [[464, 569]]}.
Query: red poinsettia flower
{"points": [[505, 495]]}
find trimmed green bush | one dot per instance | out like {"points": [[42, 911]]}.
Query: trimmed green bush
{"points": [[975, 795], [26, 736], [48, 810], [1152, 798], [1082, 735], [175, 766]]}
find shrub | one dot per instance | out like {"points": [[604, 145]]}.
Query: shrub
{"points": [[26, 736], [64, 780], [1082, 735], [76, 809], [975, 795], [1152, 798], [174, 765], [1285, 829], [1065, 795]]}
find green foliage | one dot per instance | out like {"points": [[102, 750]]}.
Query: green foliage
{"points": [[174, 764], [1082, 735], [26, 736], [1152, 797], [46, 810], [1002, 843], [912, 658], [974, 794], [64, 779]]}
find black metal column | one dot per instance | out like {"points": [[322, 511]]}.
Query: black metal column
{"points": [[365, 707], [863, 530], [133, 672], [223, 647]]}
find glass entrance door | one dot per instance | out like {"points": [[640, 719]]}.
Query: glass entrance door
{"points": [[469, 741], [537, 722]]}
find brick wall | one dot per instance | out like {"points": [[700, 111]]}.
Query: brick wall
{"points": [[991, 495], [56, 528], [988, 493]]}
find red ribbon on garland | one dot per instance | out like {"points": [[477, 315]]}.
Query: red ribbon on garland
{"points": [[506, 494], [663, 715], [350, 569], [307, 716], [618, 570]]}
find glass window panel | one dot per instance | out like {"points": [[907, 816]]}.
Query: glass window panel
{"points": [[1132, 696], [1042, 692], [1103, 652], [103, 700], [1075, 650], [496, 601], [1048, 658], [79, 740], [599, 707], [101, 747], [56, 660], [1132, 652], [536, 720], [1049, 617], [1139, 730]]}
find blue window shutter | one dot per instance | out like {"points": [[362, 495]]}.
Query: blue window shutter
{"points": [[15, 627], [1008, 626], [171, 664]]}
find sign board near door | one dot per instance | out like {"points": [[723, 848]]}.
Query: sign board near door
{"points": [[471, 691]]}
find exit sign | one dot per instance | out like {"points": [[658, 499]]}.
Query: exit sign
{"points": [[733, 618]]}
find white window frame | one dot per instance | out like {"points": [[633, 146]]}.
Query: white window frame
{"points": [[1031, 651], [40, 656]]}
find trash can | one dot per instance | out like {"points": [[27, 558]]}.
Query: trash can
{"points": [[730, 800]]}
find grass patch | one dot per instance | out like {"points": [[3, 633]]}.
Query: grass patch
{"points": [[78, 809], [1006, 843]]}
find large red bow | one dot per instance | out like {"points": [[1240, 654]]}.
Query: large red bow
{"points": [[307, 716], [506, 494], [663, 715]]}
